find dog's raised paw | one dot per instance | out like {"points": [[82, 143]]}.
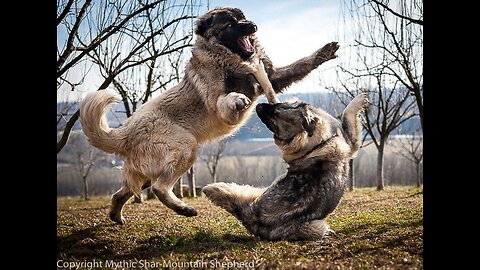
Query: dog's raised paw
{"points": [[239, 102], [328, 51], [359, 103]]}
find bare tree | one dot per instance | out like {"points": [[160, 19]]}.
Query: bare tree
{"points": [[391, 109], [85, 158], [411, 148], [211, 155], [389, 36], [117, 37], [351, 175], [385, 59], [191, 182], [178, 187]]}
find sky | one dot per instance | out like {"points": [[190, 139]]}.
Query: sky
{"points": [[288, 30]]}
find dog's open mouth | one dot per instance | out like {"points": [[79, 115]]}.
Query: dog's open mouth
{"points": [[246, 43]]}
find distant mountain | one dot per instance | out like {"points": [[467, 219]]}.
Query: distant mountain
{"points": [[254, 128]]}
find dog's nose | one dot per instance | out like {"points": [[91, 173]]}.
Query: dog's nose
{"points": [[261, 108], [254, 26], [249, 26]]}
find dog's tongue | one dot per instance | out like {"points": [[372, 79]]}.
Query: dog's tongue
{"points": [[245, 42]]}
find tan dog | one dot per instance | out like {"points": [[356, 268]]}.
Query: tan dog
{"points": [[160, 141]]}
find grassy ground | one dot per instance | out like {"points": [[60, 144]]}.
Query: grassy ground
{"points": [[374, 230]]}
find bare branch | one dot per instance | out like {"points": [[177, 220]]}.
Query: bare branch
{"points": [[67, 130], [416, 21], [64, 12], [69, 47], [102, 37]]}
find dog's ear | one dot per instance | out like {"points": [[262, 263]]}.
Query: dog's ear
{"points": [[202, 25], [308, 123]]}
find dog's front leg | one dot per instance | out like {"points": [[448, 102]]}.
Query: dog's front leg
{"points": [[285, 76], [232, 106]]}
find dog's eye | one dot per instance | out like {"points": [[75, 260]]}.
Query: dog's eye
{"points": [[232, 22]]}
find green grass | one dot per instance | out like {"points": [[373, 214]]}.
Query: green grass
{"points": [[374, 230]]}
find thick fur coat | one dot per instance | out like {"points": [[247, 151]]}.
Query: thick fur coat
{"points": [[317, 148], [160, 141]]}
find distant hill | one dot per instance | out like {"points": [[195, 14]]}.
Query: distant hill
{"points": [[254, 128]]}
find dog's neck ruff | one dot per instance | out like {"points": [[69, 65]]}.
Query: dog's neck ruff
{"points": [[316, 147]]}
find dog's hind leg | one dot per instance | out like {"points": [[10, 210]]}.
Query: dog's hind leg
{"points": [[309, 230], [163, 190], [233, 197], [118, 201], [313, 230], [172, 170]]}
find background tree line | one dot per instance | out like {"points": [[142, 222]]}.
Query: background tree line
{"points": [[138, 48]]}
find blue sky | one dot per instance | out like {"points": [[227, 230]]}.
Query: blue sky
{"points": [[288, 30]]}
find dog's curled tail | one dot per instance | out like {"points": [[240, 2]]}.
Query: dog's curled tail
{"points": [[94, 121]]}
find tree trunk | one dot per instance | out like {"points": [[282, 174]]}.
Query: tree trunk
{"points": [[215, 177], [177, 188], [85, 188], [380, 182], [191, 182], [150, 194], [351, 175], [138, 199], [417, 170]]}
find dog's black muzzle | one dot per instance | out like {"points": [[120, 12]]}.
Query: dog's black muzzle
{"points": [[247, 27], [265, 112]]}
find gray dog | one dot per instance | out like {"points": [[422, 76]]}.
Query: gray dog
{"points": [[317, 148]]}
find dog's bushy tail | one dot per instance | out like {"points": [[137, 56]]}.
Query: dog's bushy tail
{"points": [[234, 198], [94, 121]]}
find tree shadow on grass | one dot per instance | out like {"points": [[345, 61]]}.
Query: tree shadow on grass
{"points": [[373, 239], [92, 243], [199, 242], [85, 243]]}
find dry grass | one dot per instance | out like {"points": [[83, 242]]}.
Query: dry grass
{"points": [[374, 230]]}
